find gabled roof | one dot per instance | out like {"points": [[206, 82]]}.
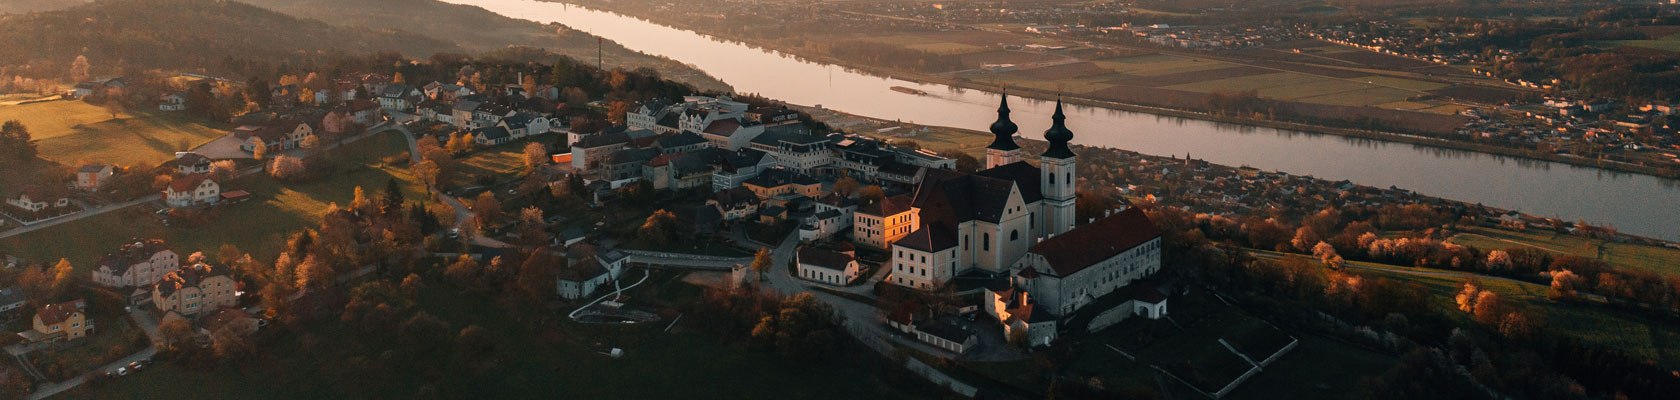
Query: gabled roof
{"points": [[929, 239], [735, 196], [680, 139], [891, 205], [603, 139], [93, 168], [132, 253], [59, 312], [627, 156], [491, 133], [188, 183], [1095, 242], [946, 331], [723, 127], [188, 276], [824, 258], [11, 295]]}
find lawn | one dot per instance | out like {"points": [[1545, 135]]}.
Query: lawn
{"points": [[1648, 258], [561, 362], [258, 226], [500, 162], [1670, 43], [1635, 334], [71, 132]]}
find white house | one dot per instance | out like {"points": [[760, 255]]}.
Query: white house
{"points": [[37, 199], [1065, 273], [585, 275], [138, 264], [192, 190], [172, 102], [90, 177], [827, 266]]}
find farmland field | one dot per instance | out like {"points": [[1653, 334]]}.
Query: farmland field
{"points": [[1669, 43], [1640, 257], [71, 132], [258, 226]]}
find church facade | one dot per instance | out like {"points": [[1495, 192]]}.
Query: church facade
{"points": [[988, 220]]}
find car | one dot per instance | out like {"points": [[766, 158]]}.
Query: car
{"points": [[135, 366], [121, 371]]}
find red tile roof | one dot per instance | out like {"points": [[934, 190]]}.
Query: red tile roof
{"points": [[57, 313], [187, 183], [1093, 243]]}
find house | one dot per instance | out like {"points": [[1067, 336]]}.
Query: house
{"points": [[398, 97], [91, 177], [880, 224], [34, 198], [192, 190], [11, 299], [944, 335], [592, 151], [525, 124], [734, 203], [827, 266], [774, 183], [138, 264], [491, 136], [584, 274], [188, 163], [172, 102], [59, 322], [364, 112], [195, 289], [729, 134], [279, 136]]}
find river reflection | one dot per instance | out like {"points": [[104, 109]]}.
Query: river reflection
{"points": [[1633, 203]]}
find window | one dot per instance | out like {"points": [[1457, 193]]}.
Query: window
{"points": [[1014, 235], [985, 242]]}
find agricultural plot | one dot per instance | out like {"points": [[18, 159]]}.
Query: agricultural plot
{"points": [[1670, 43], [1159, 64], [1640, 257], [70, 132]]}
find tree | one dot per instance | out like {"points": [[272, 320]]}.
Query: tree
{"points": [[287, 168], [230, 343], [427, 172], [536, 155], [174, 334], [536, 276], [1327, 255], [846, 186], [872, 194], [223, 170], [463, 271], [1498, 260], [761, 262], [62, 277], [1564, 285], [359, 201], [310, 144], [258, 152], [487, 208], [658, 229], [228, 254], [16, 144], [80, 69], [313, 274], [965, 162], [474, 343], [114, 102]]}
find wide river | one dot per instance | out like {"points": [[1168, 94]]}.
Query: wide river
{"points": [[1632, 203]]}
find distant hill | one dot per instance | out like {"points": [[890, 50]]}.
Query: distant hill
{"points": [[23, 6], [185, 33], [470, 27]]}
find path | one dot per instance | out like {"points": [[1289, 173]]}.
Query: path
{"points": [[463, 215], [645, 274], [78, 216]]}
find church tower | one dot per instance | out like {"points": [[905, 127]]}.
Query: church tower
{"points": [[1056, 167], [1003, 150]]}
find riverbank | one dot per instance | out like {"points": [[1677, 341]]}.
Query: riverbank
{"points": [[1414, 139]]}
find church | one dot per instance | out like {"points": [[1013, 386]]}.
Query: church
{"points": [[988, 220]]}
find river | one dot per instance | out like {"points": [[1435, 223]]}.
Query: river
{"points": [[1632, 203]]}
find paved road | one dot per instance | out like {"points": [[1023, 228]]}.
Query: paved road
{"points": [[80, 215]]}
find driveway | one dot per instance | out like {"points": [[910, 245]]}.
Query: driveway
{"points": [[146, 323]]}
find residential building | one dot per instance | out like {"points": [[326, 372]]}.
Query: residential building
{"points": [[1100, 263], [276, 137], [137, 264], [735, 203], [192, 190], [91, 176], [880, 224], [195, 289], [59, 322], [832, 215], [398, 97], [169, 102], [34, 198], [827, 266], [584, 274], [188, 163]]}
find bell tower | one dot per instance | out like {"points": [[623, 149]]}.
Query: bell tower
{"points": [[1003, 150], [1057, 170]]}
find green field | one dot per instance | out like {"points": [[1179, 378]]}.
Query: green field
{"points": [[500, 162], [1670, 43], [1655, 340], [258, 226], [1640, 257], [1159, 64], [71, 132]]}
